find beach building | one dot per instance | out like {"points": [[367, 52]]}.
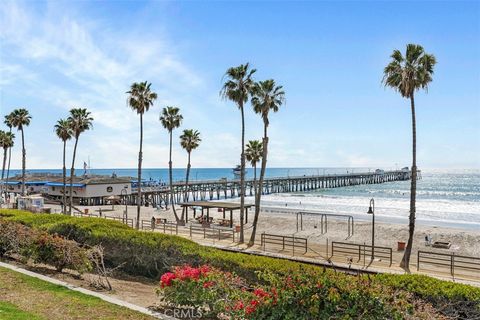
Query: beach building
{"points": [[87, 190], [32, 203]]}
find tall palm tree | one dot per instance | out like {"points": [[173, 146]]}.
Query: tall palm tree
{"points": [[189, 140], [253, 154], [80, 121], [237, 88], [140, 99], [9, 123], [63, 129], [3, 141], [267, 96], [171, 119], [407, 74], [6, 142], [21, 119]]}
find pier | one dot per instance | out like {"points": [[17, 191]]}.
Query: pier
{"points": [[225, 189]]}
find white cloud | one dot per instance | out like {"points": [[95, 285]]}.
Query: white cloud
{"points": [[84, 64]]}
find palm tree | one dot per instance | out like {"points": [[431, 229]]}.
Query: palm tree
{"points": [[63, 129], [9, 123], [189, 140], [267, 96], [407, 74], [6, 142], [80, 121], [237, 88], [254, 153], [140, 99], [171, 119], [20, 119]]}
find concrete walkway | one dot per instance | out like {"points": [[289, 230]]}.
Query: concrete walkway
{"points": [[88, 292]]}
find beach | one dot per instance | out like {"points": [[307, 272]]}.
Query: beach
{"points": [[274, 221]]}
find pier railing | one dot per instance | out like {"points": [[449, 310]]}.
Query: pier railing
{"points": [[451, 261], [223, 189]]}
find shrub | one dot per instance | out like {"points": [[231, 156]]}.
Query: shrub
{"points": [[302, 296], [205, 288], [59, 252], [42, 247], [152, 254]]}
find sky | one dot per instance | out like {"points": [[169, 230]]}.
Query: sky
{"points": [[329, 57]]}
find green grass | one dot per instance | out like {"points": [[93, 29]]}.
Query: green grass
{"points": [[9, 311], [25, 297]]}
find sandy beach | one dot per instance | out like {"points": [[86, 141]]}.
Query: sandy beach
{"points": [[463, 241]]}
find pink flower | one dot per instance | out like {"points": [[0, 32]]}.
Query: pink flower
{"points": [[166, 279], [260, 293], [238, 306], [204, 269], [208, 284]]}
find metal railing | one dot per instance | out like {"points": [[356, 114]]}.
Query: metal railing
{"points": [[359, 250], [220, 233], [209, 232], [285, 241], [128, 221], [449, 260]]}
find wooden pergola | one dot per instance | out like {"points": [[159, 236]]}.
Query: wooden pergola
{"points": [[207, 205]]}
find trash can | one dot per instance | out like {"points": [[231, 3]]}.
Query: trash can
{"points": [[400, 245], [85, 211]]}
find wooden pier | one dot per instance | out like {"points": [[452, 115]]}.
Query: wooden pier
{"points": [[224, 189]]}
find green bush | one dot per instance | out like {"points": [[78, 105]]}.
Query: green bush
{"points": [[42, 247], [152, 254]]}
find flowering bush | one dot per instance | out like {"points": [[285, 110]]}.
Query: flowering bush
{"points": [[302, 296], [205, 288]]}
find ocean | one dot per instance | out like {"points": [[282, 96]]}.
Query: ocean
{"points": [[444, 198]]}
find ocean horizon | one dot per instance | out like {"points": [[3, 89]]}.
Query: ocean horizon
{"points": [[445, 197]]}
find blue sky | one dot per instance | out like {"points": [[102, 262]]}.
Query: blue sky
{"points": [[329, 56]]}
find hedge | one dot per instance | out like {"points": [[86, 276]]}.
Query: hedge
{"points": [[151, 254]]}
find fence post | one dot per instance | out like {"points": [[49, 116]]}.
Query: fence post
{"points": [[293, 245], [327, 248], [452, 264], [190, 231], [391, 258], [363, 254], [418, 260]]}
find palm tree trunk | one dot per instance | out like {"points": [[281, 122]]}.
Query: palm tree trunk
{"points": [[24, 160], [413, 190], [258, 192], [255, 178], [8, 168], [72, 173], [242, 175], [64, 197], [185, 198], [139, 184], [3, 171], [170, 173]]}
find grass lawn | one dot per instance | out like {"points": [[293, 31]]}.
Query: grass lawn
{"points": [[24, 297]]}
